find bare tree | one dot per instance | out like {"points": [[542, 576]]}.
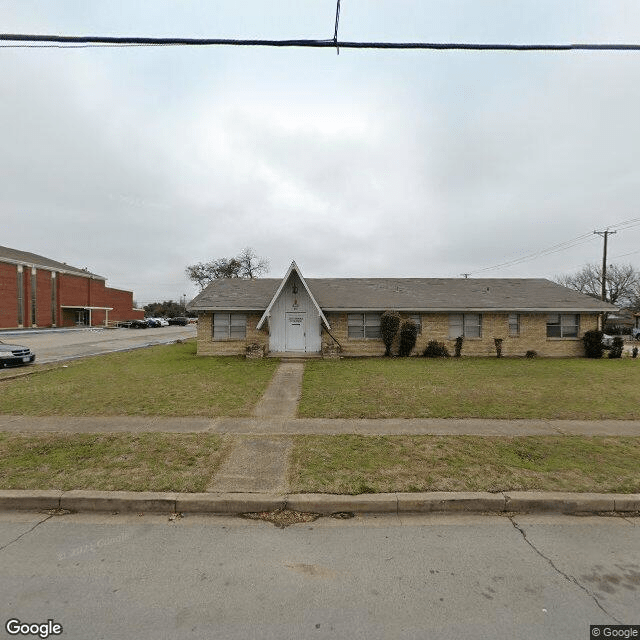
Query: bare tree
{"points": [[250, 265], [622, 283], [245, 265]]}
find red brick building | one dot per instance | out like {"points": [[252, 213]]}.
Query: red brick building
{"points": [[39, 292]]}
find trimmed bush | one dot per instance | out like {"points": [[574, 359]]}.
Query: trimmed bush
{"points": [[616, 348], [435, 349], [498, 343], [389, 325], [634, 352], [408, 337], [458, 347], [593, 347], [531, 354]]}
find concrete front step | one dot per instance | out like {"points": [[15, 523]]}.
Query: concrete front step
{"points": [[290, 356]]}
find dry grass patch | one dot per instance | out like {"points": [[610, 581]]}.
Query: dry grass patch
{"points": [[166, 380], [568, 388], [110, 462], [374, 464]]}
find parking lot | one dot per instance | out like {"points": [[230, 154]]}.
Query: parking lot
{"points": [[55, 345]]}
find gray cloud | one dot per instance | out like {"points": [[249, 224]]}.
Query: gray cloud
{"points": [[137, 162]]}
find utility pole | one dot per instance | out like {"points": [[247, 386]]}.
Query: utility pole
{"points": [[604, 234]]}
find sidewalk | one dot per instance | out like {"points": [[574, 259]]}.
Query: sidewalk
{"points": [[270, 426]]}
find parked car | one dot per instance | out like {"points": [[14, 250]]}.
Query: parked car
{"points": [[635, 333], [152, 322], [138, 324], [12, 355], [179, 321], [163, 322]]}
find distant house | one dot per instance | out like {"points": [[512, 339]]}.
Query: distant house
{"points": [[315, 315], [620, 321], [40, 292]]}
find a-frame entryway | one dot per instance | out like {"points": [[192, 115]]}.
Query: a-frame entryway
{"points": [[294, 317]]}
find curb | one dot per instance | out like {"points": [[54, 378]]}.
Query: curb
{"points": [[234, 503]]}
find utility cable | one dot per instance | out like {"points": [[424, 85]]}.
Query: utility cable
{"points": [[34, 40]]}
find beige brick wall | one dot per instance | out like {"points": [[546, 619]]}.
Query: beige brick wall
{"points": [[533, 336], [207, 346]]}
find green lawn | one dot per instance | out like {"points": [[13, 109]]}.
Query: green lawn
{"points": [[110, 462], [166, 380], [572, 388], [352, 464], [346, 464]]}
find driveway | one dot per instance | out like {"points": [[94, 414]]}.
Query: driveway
{"points": [[55, 345]]}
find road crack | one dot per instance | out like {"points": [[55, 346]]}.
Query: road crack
{"points": [[26, 533], [559, 571]]}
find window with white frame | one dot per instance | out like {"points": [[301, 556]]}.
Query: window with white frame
{"points": [[514, 324], [229, 326], [364, 325], [468, 325], [563, 325]]}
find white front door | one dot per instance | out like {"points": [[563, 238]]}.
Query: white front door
{"points": [[295, 333]]}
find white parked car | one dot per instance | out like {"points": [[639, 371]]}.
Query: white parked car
{"points": [[607, 340], [163, 322]]}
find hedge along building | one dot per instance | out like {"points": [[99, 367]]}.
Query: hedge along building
{"points": [[40, 292], [316, 315]]}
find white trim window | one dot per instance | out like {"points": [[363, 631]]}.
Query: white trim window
{"points": [[229, 326], [363, 325], [514, 325], [563, 325], [468, 325], [417, 318]]}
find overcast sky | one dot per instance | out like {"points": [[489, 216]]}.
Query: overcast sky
{"points": [[136, 162]]}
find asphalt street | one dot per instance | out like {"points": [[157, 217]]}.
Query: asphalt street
{"points": [[55, 345], [437, 577]]}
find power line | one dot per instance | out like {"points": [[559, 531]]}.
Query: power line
{"points": [[52, 40], [561, 246]]}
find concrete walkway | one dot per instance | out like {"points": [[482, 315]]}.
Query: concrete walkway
{"points": [[283, 393], [267, 426], [259, 463], [256, 465]]}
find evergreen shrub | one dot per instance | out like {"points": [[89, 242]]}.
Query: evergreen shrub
{"points": [[408, 337], [389, 325], [616, 348], [435, 349], [593, 346]]}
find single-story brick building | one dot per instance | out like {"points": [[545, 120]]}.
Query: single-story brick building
{"points": [[39, 292], [316, 315]]}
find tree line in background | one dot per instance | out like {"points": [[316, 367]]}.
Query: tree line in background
{"points": [[166, 309], [622, 284]]}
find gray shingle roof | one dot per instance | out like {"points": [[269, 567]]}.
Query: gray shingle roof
{"points": [[410, 294], [33, 259]]}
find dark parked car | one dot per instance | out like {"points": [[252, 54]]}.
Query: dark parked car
{"points": [[152, 322], [12, 355], [179, 321], [139, 324]]}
